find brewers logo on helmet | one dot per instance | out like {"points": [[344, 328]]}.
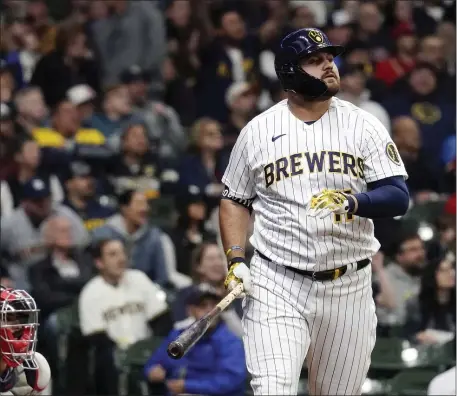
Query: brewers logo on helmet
{"points": [[293, 48]]}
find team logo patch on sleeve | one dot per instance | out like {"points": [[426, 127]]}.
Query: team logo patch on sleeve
{"points": [[392, 153]]}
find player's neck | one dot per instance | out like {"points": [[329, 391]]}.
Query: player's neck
{"points": [[308, 111]]}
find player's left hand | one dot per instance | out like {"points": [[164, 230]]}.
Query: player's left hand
{"points": [[175, 386], [328, 202]]}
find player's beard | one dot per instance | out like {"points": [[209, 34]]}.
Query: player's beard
{"points": [[332, 90]]}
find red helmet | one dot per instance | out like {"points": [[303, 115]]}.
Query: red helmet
{"points": [[18, 328]]}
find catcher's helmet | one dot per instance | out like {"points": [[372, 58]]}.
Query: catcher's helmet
{"points": [[18, 328], [294, 47]]}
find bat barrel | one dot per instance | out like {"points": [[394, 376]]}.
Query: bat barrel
{"points": [[175, 350]]}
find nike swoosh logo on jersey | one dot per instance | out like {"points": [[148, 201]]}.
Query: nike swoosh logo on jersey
{"points": [[274, 138]]}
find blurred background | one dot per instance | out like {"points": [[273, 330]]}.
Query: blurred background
{"points": [[117, 119]]}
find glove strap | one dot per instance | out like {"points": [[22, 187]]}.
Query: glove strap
{"points": [[235, 260]]}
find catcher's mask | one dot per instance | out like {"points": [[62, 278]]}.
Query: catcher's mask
{"points": [[293, 48], [18, 328]]}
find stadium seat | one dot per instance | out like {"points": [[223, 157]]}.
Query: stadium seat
{"points": [[131, 363], [412, 382]]}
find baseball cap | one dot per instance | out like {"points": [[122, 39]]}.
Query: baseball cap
{"points": [[201, 291], [80, 94], [78, 169], [134, 73], [235, 90], [36, 188]]}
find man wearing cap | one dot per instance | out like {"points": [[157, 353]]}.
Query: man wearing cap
{"points": [[161, 121], [21, 231], [214, 366], [241, 99], [80, 187], [83, 97]]}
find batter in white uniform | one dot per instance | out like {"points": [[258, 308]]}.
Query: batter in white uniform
{"points": [[314, 170]]}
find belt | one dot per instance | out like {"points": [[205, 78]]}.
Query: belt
{"points": [[323, 276]]}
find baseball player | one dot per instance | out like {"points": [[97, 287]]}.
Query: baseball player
{"points": [[315, 170], [23, 371]]}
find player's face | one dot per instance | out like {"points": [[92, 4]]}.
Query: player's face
{"points": [[320, 65], [114, 260]]}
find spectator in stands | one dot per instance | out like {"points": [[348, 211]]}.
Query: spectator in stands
{"points": [[57, 280], [21, 231], [27, 159], [241, 99], [433, 312], [407, 137], [183, 37], [116, 111], [31, 109], [190, 229], [354, 90], [446, 31], [38, 17], [143, 241], [137, 165], [403, 60], [66, 138], [83, 97], [404, 275], [370, 30], [209, 266], [446, 227], [178, 93], [81, 196], [133, 33], [232, 56], [117, 308], [431, 51], [161, 121], [204, 166], [24, 58], [215, 365], [422, 100], [8, 141], [69, 64], [7, 83]]}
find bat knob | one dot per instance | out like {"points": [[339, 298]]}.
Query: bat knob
{"points": [[175, 350]]}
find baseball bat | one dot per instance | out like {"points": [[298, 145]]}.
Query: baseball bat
{"points": [[189, 337]]}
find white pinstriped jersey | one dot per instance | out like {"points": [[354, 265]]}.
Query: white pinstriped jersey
{"points": [[282, 162]]}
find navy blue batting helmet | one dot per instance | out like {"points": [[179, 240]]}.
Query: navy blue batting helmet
{"points": [[293, 48]]}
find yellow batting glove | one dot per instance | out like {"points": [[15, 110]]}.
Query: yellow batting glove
{"points": [[238, 273], [328, 202]]}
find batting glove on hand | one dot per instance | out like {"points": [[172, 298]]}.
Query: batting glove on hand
{"points": [[238, 273], [328, 202]]}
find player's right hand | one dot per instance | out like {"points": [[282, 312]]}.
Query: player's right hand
{"points": [[238, 273]]}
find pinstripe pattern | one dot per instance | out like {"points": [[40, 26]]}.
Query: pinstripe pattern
{"points": [[289, 317]]}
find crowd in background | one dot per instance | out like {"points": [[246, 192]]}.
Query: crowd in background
{"points": [[117, 119]]}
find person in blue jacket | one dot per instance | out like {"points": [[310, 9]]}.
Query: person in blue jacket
{"points": [[214, 366]]}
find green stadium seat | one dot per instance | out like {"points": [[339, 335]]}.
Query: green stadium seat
{"points": [[412, 382], [392, 355], [131, 363]]}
